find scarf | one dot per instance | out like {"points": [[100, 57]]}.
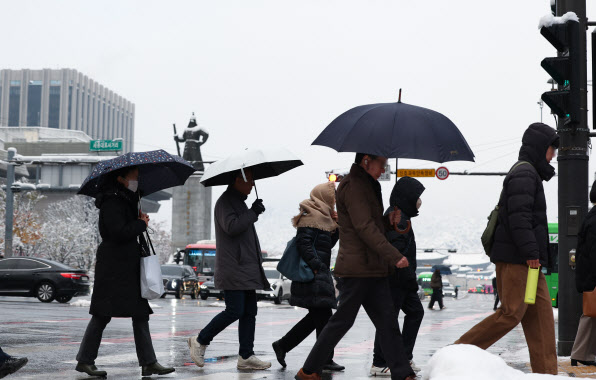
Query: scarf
{"points": [[315, 212]]}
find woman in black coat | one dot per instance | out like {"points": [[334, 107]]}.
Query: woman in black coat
{"points": [[584, 347], [117, 288], [317, 233]]}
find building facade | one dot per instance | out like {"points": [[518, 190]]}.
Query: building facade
{"points": [[65, 99]]}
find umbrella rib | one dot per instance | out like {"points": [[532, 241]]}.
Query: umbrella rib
{"points": [[357, 121]]}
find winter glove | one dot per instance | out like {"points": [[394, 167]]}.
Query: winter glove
{"points": [[257, 207]]}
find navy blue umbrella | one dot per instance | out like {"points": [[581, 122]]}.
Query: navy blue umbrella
{"points": [[396, 130], [158, 170]]}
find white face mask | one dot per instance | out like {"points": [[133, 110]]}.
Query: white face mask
{"points": [[133, 186], [418, 203]]}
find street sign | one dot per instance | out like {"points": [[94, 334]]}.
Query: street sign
{"points": [[442, 173], [415, 172], [105, 145]]}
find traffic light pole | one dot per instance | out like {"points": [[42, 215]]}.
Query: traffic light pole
{"points": [[573, 191]]}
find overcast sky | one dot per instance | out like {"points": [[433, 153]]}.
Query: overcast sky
{"points": [[276, 73]]}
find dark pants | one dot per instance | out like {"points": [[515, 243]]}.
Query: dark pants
{"points": [[408, 302], [241, 305], [92, 339], [3, 356], [436, 296], [374, 295], [316, 319]]}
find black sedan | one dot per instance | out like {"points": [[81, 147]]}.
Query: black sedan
{"points": [[179, 280], [45, 279]]}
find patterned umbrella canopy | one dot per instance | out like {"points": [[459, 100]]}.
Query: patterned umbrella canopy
{"points": [[158, 170]]}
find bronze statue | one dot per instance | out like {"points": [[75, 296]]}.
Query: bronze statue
{"points": [[193, 137]]}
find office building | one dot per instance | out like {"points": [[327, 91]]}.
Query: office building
{"points": [[65, 99]]}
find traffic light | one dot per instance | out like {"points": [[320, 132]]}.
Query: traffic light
{"points": [[334, 177], [564, 35]]}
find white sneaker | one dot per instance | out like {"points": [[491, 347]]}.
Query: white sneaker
{"points": [[252, 363], [414, 367], [380, 371], [197, 351]]}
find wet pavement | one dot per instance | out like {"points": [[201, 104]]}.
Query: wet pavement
{"points": [[50, 334]]}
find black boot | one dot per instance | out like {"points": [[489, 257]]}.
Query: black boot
{"points": [[156, 369], [90, 369], [333, 366], [11, 365], [584, 362], [280, 353]]}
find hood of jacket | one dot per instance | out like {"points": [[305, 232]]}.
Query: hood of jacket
{"points": [[405, 194], [535, 142]]}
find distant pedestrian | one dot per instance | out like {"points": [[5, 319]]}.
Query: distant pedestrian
{"points": [[403, 283], [521, 240], [317, 233], [117, 287], [456, 290], [496, 291], [362, 266], [436, 283], [10, 364], [584, 347], [238, 272]]}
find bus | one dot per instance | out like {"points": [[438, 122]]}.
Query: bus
{"points": [[201, 257], [424, 282], [552, 274]]}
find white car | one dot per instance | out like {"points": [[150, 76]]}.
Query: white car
{"points": [[280, 285], [448, 291]]}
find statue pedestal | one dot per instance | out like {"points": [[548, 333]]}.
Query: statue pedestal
{"points": [[191, 212]]}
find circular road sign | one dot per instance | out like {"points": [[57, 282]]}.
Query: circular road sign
{"points": [[442, 173]]}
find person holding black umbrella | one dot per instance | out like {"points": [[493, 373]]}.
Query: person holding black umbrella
{"points": [[117, 287], [362, 266], [238, 271]]}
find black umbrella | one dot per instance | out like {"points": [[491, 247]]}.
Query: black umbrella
{"points": [[158, 170], [396, 130]]}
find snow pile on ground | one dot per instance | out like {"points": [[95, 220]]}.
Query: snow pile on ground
{"points": [[81, 303], [548, 20], [466, 362]]}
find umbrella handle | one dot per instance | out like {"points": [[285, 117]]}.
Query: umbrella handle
{"points": [[256, 192]]}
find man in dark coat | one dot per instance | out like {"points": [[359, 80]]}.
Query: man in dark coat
{"points": [[436, 284], [521, 240], [238, 272], [364, 261], [404, 285], [584, 347]]}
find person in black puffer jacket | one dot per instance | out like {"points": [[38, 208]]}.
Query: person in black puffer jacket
{"points": [[521, 241], [404, 285], [317, 233], [584, 347]]}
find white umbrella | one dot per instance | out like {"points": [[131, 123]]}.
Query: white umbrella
{"points": [[264, 163]]}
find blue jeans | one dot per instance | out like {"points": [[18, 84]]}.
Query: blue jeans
{"points": [[241, 305], [3, 356]]}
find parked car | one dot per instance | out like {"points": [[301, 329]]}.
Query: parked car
{"points": [[208, 290], [448, 291], [45, 279], [280, 285], [179, 280]]}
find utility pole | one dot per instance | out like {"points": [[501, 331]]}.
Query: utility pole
{"points": [[573, 178], [9, 203]]}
